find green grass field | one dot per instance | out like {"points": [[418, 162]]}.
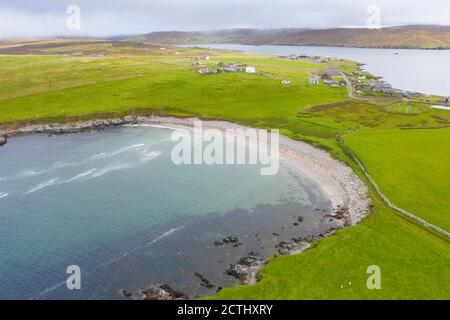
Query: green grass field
{"points": [[413, 265], [410, 166]]}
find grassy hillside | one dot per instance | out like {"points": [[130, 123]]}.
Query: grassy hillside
{"points": [[41, 87], [411, 168], [424, 37], [409, 165]]}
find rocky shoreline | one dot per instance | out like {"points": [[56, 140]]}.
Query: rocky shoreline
{"points": [[70, 127], [3, 141]]}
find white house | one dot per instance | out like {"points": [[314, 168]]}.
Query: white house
{"points": [[314, 80], [250, 70], [285, 82]]}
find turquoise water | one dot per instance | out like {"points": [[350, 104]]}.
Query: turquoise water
{"points": [[113, 203]]}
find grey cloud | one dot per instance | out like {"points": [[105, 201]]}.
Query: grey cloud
{"points": [[30, 18]]}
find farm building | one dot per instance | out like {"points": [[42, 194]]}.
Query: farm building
{"points": [[250, 70], [314, 80]]}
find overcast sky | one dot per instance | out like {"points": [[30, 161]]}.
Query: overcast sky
{"points": [[41, 18]]}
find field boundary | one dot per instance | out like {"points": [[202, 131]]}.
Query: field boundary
{"points": [[386, 200]]}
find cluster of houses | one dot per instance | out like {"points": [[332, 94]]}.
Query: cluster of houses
{"points": [[230, 67], [98, 55], [329, 78], [207, 58], [444, 100], [375, 86], [317, 59]]}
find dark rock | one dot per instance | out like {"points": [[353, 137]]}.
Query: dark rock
{"points": [[3, 141], [249, 261], [125, 293], [162, 292], [229, 240], [204, 282], [238, 271], [244, 268], [300, 219]]}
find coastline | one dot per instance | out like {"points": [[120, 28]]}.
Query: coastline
{"points": [[347, 193], [337, 180]]}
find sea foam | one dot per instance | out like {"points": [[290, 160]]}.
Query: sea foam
{"points": [[43, 185]]}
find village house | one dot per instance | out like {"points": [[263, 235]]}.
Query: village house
{"points": [[285, 82], [329, 72], [205, 71], [314, 80], [231, 68], [250, 70], [444, 100], [332, 83]]}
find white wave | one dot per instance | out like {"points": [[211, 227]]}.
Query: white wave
{"points": [[81, 175], [117, 258], [139, 247], [165, 235], [60, 165], [29, 173], [99, 173], [3, 194], [148, 156], [160, 126], [98, 156], [43, 185], [105, 155], [48, 290]]}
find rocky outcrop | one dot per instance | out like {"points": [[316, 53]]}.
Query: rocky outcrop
{"points": [[125, 293], [229, 240], [204, 282], [245, 270], [57, 128], [3, 141], [162, 292]]}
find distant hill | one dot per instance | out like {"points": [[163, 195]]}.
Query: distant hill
{"points": [[423, 37]]}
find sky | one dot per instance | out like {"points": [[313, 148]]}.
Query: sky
{"points": [[44, 18]]}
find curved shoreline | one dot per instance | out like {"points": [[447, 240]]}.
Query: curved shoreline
{"points": [[347, 193], [345, 189]]}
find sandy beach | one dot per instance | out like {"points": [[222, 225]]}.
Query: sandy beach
{"points": [[346, 191]]}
